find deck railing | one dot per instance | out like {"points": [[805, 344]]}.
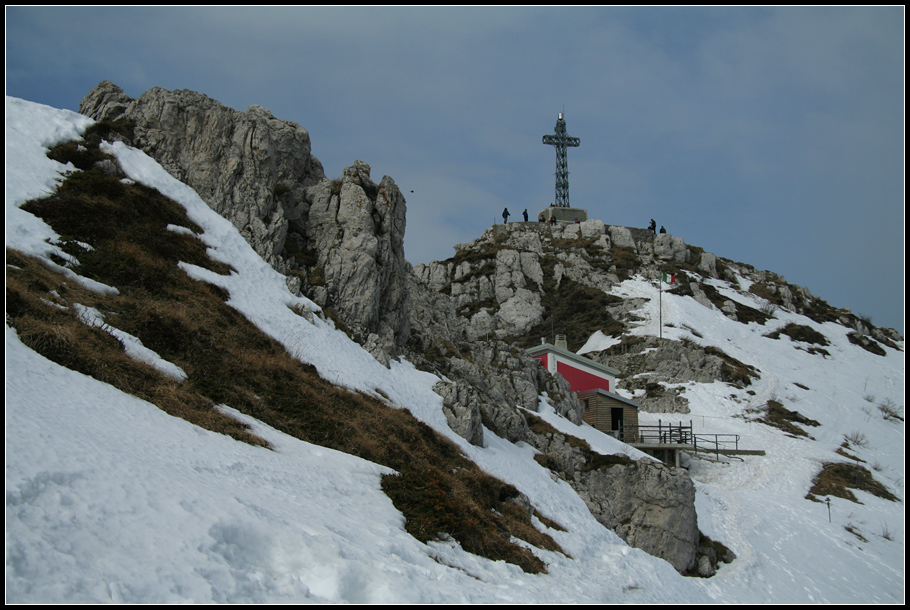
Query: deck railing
{"points": [[716, 443], [660, 434], [677, 434]]}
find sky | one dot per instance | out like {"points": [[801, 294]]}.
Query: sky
{"points": [[771, 136]]}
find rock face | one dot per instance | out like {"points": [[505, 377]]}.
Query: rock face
{"points": [[340, 241], [354, 231], [649, 505], [250, 167]]}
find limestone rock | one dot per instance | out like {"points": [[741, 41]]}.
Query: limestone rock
{"points": [[461, 405], [650, 506], [622, 237], [592, 228], [356, 228], [106, 101], [250, 167], [700, 297], [669, 363], [670, 248], [705, 567], [707, 264], [520, 312]]}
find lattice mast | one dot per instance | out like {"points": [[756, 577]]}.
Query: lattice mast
{"points": [[561, 140]]}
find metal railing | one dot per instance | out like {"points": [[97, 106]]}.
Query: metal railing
{"points": [[716, 443], [677, 434], [661, 434]]}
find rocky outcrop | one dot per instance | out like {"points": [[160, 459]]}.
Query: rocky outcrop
{"points": [[354, 237], [493, 382], [340, 241], [665, 366], [649, 505], [668, 247], [250, 167]]}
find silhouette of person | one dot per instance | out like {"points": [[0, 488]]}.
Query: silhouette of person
{"points": [[505, 216], [662, 229], [653, 226], [525, 213]]}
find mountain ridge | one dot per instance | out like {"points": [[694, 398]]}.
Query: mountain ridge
{"points": [[483, 371]]}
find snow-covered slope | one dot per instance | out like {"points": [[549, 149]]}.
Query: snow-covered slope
{"points": [[110, 499], [787, 549]]}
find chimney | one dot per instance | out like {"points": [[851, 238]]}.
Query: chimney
{"points": [[561, 342]]}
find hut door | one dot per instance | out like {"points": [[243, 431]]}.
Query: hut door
{"points": [[616, 422]]}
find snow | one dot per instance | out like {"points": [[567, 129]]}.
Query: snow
{"points": [[598, 342], [110, 499]]}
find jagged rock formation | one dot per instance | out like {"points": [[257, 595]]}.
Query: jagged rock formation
{"points": [[340, 241], [354, 236], [649, 505], [521, 281], [250, 167]]}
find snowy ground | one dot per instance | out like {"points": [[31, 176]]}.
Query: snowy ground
{"points": [[787, 550], [108, 499]]}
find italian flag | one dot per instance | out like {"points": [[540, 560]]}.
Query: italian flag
{"points": [[670, 279]]}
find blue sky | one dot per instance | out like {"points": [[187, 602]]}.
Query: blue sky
{"points": [[770, 136]]}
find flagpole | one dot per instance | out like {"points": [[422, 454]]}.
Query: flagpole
{"points": [[660, 308]]}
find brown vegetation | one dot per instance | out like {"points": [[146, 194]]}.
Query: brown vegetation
{"points": [[783, 418], [837, 478]]}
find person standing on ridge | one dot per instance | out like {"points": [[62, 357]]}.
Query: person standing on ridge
{"points": [[525, 213], [505, 216]]}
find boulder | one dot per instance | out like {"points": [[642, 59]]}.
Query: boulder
{"points": [[707, 264], [649, 505], [622, 237], [668, 247]]}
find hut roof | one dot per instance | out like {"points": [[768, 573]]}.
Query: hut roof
{"points": [[612, 395], [544, 348]]}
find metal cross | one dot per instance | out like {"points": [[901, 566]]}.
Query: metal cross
{"points": [[561, 141]]}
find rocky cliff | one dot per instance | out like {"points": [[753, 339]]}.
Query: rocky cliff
{"points": [[523, 281], [250, 167], [339, 241]]}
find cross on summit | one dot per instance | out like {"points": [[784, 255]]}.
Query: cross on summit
{"points": [[561, 140]]}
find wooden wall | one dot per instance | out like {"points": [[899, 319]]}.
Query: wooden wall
{"points": [[598, 413]]}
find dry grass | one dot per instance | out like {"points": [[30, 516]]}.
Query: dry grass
{"points": [[784, 419], [837, 479], [230, 361]]}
